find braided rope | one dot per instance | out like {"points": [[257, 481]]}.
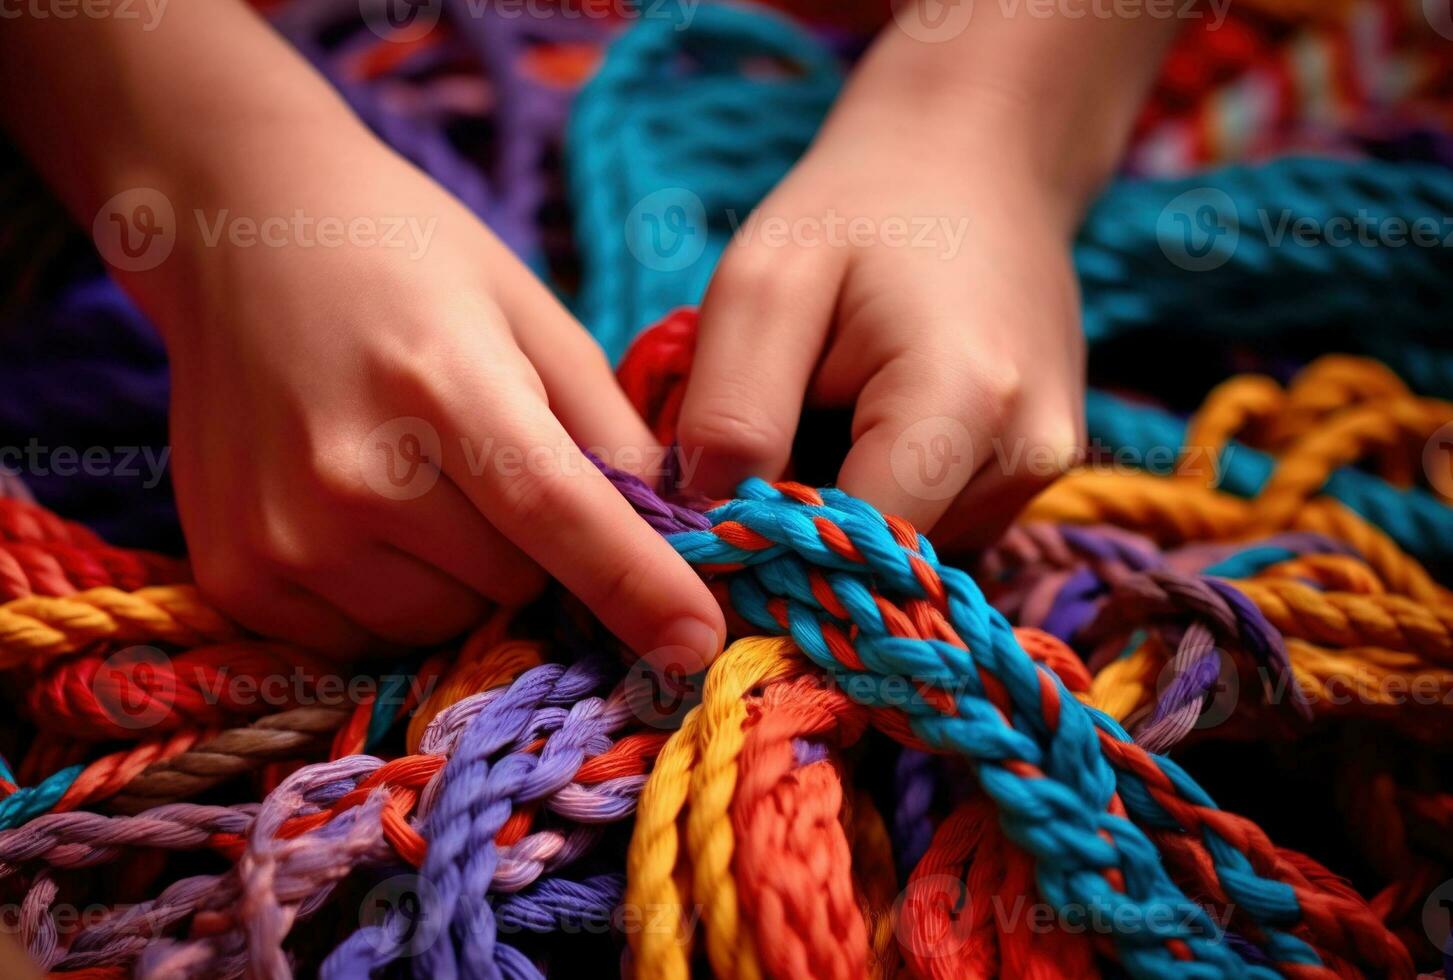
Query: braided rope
{"points": [[781, 533], [34, 628], [793, 861]]}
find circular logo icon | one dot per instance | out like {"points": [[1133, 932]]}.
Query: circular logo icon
{"points": [[1439, 15], [666, 230], [664, 685], [933, 458], [1438, 918], [135, 687], [1198, 229], [402, 21], [136, 230], [1438, 459], [405, 911], [1218, 697], [932, 917], [933, 21], [400, 459]]}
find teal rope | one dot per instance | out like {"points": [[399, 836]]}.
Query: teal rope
{"points": [[1418, 521], [29, 802], [1384, 301], [1061, 818], [675, 112], [675, 136]]}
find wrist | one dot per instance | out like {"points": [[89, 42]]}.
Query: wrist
{"points": [[1049, 96]]}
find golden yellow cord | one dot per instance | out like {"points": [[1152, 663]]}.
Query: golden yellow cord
{"points": [[698, 764], [35, 628]]}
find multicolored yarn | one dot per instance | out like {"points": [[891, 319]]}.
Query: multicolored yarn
{"points": [[496, 781], [1250, 280], [779, 527], [752, 811], [1361, 78]]}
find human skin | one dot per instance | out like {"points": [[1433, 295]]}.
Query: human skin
{"points": [[286, 360], [962, 354]]}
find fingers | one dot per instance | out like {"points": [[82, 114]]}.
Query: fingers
{"points": [[581, 386], [543, 494], [1046, 442], [399, 598], [272, 607], [763, 324], [925, 423], [443, 529]]}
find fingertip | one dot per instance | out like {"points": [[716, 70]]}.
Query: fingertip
{"points": [[690, 642], [719, 449], [869, 472]]}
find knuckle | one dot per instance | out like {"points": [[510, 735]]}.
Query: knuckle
{"points": [[754, 272], [727, 427], [620, 587], [998, 390], [532, 496]]}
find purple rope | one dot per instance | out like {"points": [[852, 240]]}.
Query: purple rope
{"points": [[486, 777], [1197, 665], [295, 875], [915, 781], [665, 516]]}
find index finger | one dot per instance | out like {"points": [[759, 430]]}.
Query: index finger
{"points": [[524, 472]]}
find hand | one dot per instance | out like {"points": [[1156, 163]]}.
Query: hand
{"points": [[380, 441], [931, 293]]}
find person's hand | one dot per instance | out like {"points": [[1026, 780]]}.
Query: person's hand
{"points": [[932, 294], [914, 267], [379, 441]]}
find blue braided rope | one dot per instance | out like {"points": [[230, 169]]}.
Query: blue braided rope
{"points": [[1061, 819]]}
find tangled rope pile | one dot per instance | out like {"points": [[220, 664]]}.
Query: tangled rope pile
{"points": [[759, 823], [898, 767]]}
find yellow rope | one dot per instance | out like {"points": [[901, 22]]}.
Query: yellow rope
{"points": [[38, 627], [698, 763]]}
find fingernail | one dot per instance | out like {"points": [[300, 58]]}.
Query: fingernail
{"points": [[690, 643]]}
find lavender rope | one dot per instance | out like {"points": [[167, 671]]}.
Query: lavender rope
{"points": [[488, 775]]}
